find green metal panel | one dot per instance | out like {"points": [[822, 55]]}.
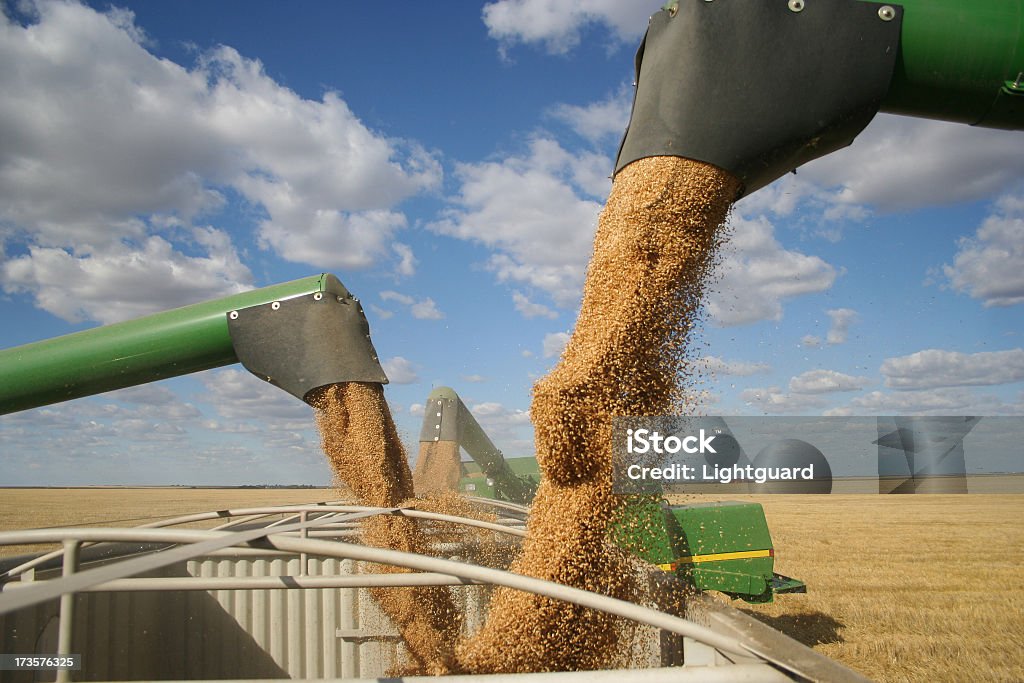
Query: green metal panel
{"points": [[643, 528], [524, 470], [961, 60], [724, 529], [742, 582], [713, 528], [700, 543], [155, 347]]}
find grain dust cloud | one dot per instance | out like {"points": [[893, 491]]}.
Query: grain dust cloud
{"points": [[655, 244]]}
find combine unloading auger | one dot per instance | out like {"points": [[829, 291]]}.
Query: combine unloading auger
{"points": [[447, 421], [298, 336], [760, 88]]}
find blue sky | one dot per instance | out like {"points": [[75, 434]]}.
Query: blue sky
{"points": [[447, 161]]}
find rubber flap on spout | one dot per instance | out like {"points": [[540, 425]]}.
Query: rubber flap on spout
{"points": [[306, 342], [756, 88]]}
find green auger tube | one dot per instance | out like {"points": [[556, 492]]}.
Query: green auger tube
{"points": [[298, 335]]}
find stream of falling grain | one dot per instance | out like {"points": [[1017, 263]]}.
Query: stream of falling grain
{"points": [[438, 468], [359, 438], [655, 243]]}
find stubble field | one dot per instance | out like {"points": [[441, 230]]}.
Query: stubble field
{"points": [[901, 588]]}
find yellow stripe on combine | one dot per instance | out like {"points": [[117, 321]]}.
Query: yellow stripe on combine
{"points": [[716, 557]]}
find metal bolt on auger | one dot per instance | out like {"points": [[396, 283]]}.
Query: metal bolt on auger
{"points": [[276, 305], [318, 296], [886, 13], [796, 5], [233, 315]]}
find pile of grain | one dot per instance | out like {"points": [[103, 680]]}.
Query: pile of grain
{"points": [[359, 438], [655, 243]]}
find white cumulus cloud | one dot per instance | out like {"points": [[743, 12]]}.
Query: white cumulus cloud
{"points": [[557, 23], [933, 368], [825, 381], [400, 370], [529, 309], [238, 394], [842, 319], [943, 401], [554, 343], [398, 297], [598, 121], [544, 242], [901, 163], [757, 274], [407, 261], [426, 310], [736, 368], [508, 428], [119, 282], [421, 309], [381, 313], [773, 400], [990, 265], [105, 147]]}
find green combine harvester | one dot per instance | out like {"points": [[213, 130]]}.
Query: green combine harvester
{"points": [[447, 419]]}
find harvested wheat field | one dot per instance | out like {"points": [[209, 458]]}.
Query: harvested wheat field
{"points": [[902, 588]]}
